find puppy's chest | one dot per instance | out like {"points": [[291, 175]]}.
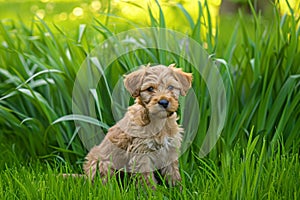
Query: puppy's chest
{"points": [[159, 142]]}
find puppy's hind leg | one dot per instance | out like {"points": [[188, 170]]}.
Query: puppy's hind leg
{"points": [[90, 169], [106, 170], [103, 167]]}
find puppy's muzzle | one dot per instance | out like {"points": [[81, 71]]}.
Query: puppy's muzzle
{"points": [[164, 103]]}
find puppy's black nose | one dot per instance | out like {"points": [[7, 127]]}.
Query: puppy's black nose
{"points": [[164, 103]]}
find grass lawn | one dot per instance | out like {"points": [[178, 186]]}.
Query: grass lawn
{"points": [[249, 177], [256, 155]]}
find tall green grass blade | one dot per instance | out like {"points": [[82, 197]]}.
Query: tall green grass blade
{"points": [[284, 92], [187, 15], [6, 36], [82, 118], [96, 98], [162, 22], [197, 29]]}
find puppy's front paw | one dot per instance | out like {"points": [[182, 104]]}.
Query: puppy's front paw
{"points": [[147, 179], [174, 179]]}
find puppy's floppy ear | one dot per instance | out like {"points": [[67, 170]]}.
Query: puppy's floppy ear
{"points": [[133, 81], [185, 79]]}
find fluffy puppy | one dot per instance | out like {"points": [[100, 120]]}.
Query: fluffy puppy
{"points": [[148, 137]]}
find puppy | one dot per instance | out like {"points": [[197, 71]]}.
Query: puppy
{"points": [[148, 137]]}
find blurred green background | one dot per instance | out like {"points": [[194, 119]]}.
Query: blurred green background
{"points": [[120, 15], [67, 11]]}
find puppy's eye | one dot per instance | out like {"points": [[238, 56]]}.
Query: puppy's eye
{"points": [[170, 87], [150, 89]]}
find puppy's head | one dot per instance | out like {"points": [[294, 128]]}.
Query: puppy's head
{"points": [[158, 88]]}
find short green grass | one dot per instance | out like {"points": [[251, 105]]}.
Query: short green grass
{"points": [[256, 157], [251, 176]]}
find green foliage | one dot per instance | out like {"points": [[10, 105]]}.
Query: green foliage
{"points": [[265, 72], [246, 177], [256, 156], [259, 64], [37, 74]]}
